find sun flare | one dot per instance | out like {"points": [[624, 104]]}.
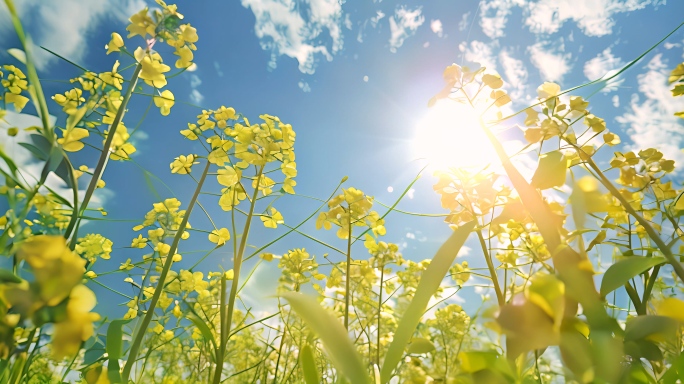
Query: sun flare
{"points": [[449, 135]]}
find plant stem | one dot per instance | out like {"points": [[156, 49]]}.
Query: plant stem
{"points": [[237, 264], [679, 270], [137, 341], [104, 155], [348, 273]]}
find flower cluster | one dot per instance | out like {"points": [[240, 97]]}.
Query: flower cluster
{"points": [[350, 209]]}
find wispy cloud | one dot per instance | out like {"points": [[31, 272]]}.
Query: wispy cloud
{"points": [[292, 29], [63, 26], [304, 86], [479, 52], [494, 16], [403, 25], [515, 74], [551, 62], [604, 64], [30, 168], [593, 17], [650, 122], [437, 28], [195, 95]]}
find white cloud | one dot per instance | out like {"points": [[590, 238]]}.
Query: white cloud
{"points": [[304, 86], [604, 65], [593, 17], [376, 19], [515, 74], [494, 16], [30, 169], [404, 24], [479, 52], [616, 101], [411, 193], [463, 24], [217, 67], [195, 81], [196, 96], [287, 27], [64, 26], [552, 64], [437, 28], [651, 122]]}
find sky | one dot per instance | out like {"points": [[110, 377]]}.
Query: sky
{"points": [[353, 78]]}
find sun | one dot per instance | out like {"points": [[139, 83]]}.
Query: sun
{"points": [[449, 135]]}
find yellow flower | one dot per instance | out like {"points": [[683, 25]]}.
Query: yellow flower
{"points": [[219, 236], [548, 90], [152, 68], [141, 24], [185, 57], [127, 266], [69, 334], [230, 274], [182, 164], [228, 176], [115, 43], [112, 78], [71, 140], [93, 245], [164, 102], [139, 242], [189, 33], [272, 220], [91, 274], [19, 101]]}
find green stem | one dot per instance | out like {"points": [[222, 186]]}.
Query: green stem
{"points": [[667, 252], [348, 274], [649, 287], [104, 155], [237, 264], [137, 341]]}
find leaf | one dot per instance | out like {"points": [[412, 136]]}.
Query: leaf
{"points": [[308, 363], [206, 332], [548, 292], [527, 327], [9, 277], [551, 171], [624, 270], [651, 327], [474, 361], [600, 237], [332, 334], [35, 151], [420, 345], [678, 90], [114, 348], [428, 285]]}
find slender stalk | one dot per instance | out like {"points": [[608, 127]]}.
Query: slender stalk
{"points": [[652, 233], [237, 264], [137, 341], [382, 278], [104, 155], [348, 274]]}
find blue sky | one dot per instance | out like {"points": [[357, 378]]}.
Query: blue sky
{"points": [[354, 78]]}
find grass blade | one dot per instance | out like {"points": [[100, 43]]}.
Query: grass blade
{"points": [[428, 285], [332, 334]]}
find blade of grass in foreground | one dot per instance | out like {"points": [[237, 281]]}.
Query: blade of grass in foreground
{"points": [[428, 285], [332, 334]]}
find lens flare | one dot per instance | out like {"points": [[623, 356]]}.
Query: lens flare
{"points": [[449, 135]]}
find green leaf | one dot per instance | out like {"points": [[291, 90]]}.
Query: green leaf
{"points": [[654, 327], [551, 171], [206, 332], [332, 334], [9, 277], [35, 151], [308, 363], [475, 361], [419, 346], [428, 285], [114, 348], [624, 270], [678, 90]]}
